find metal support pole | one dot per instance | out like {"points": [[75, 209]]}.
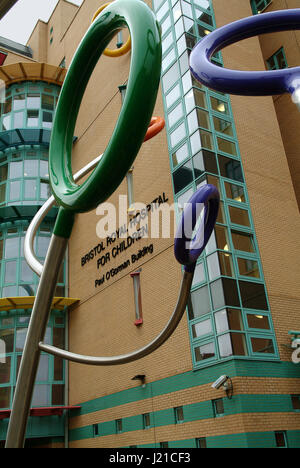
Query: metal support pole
{"points": [[36, 332]]}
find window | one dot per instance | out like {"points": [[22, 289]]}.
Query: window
{"points": [[119, 426], [218, 407], [201, 442], [280, 439], [146, 421], [295, 402], [137, 297], [96, 430], [259, 5], [277, 61], [164, 444], [49, 388], [178, 413]]}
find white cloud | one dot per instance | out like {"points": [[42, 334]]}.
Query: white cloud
{"points": [[19, 22]]}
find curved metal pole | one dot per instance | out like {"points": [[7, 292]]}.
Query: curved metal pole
{"points": [[137, 354]]}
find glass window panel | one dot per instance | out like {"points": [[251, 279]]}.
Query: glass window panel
{"points": [[18, 120], [10, 272], [30, 191], [295, 401], [239, 216], [218, 407], [184, 198], [219, 264], [20, 338], [7, 335], [162, 11], [47, 102], [202, 328], [186, 9], [2, 193], [253, 295], [183, 176], [59, 337], [222, 237], [31, 168], [44, 169], [43, 369], [226, 146], [203, 119], [45, 191], [19, 102], [26, 273], [195, 142], [219, 105], [280, 438], [206, 139], [43, 244], [168, 59], [165, 25], [180, 155], [175, 115], [203, 4], [224, 292], [189, 101], [5, 370], [262, 345], [258, 321], [199, 274], [7, 106], [58, 368], [204, 17], [6, 122], [16, 170], [235, 192], [187, 82], [41, 395], [177, 135], [33, 101], [228, 319], [205, 351], [223, 126], [248, 267], [32, 118], [3, 172], [243, 241], [5, 397], [199, 302], [200, 98], [232, 344], [167, 42], [173, 95], [11, 247], [170, 78], [184, 63]]}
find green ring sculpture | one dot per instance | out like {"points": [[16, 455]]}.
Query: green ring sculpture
{"points": [[134, 118]]}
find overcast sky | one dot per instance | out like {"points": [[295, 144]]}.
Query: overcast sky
{"points": [[19, 22]]}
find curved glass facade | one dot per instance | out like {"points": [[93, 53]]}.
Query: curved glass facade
{"points": [[26, 119]]}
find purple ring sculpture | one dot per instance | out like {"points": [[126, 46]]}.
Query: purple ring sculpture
{"points": [[252, 83], [188, 246]]}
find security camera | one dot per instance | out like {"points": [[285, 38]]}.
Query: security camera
{"points": [[219, 382]]}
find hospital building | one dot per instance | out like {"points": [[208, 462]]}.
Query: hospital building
{"points": [[115, 293]]}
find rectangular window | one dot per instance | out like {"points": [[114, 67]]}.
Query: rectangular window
{"points": [[205, 351], [259, 5], [277, 61], [262, 345], [119, 426], [32, 118], [146, 421], [218, 407], [295, 402], [95, 430], [178, 413], [280, 438], [137, 297], [201, 442]]}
